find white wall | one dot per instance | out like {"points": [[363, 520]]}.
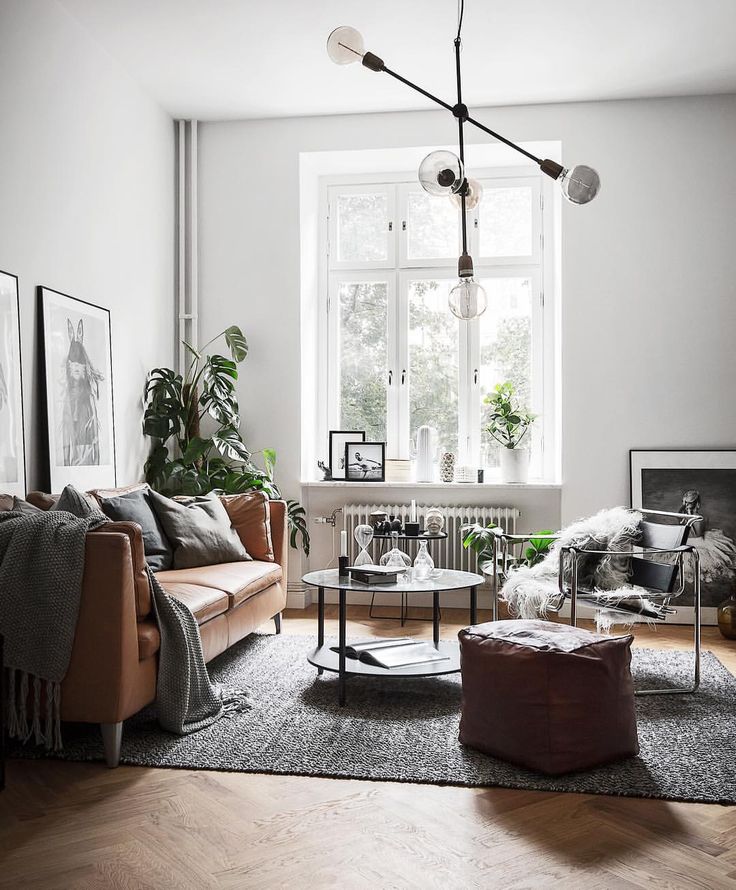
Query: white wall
{"points": [[648, 272], [86, 205]]}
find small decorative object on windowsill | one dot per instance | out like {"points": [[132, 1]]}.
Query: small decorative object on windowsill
{"points": [[365, 461], [326, 473], [727, 617], [466, 474], [425, 454], [508, 424], [398, 471], [447, 467], [443, 173]]}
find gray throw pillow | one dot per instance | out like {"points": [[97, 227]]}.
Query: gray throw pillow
{"points": [[76, 502], [21, 506], [135, 506], [199, 530]]}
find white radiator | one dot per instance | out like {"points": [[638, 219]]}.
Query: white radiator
{"points": [[448, 553]]}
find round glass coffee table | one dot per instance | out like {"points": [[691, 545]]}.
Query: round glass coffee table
{"points": [[324, 659]]}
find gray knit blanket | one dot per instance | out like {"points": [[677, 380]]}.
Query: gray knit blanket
{"points": [[41, 570]]}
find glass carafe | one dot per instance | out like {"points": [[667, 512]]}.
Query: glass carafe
{"points": [[395, 558], [423, 563]]}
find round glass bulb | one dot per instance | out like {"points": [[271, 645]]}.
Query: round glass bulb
{"points": [[441, 173], [472, 197], [468, 299], [345, 45], [580, 185]]}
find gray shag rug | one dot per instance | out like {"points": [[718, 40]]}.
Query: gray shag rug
{"points": [[407, 730]]}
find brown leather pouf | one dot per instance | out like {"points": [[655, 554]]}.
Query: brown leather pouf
{"points": [[546, 696]]}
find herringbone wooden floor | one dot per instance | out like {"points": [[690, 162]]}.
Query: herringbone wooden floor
{"points": [[75, 826]]}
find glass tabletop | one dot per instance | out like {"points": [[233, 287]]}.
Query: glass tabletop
{"points": [[441, 579]]}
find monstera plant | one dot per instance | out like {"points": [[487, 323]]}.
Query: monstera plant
{"points": [[194, 422]]}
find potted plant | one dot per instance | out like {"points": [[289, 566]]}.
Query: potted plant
{"points": [[508, 423], [185, 460], [479, 539]]}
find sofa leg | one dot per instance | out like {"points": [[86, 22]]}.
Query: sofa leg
{"points": [[277, 622], [112, 736]]}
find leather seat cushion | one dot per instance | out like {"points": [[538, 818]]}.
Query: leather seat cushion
{"points": [[203, 602], [149, 639], [546, 696], [239, 580]]}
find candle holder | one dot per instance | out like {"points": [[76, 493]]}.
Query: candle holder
{"points": [[411, 529]]}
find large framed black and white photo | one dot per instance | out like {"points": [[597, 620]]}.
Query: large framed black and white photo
{"points": [[12, 447], [702, 483], [365, 461], [338, 440], [77, 356]]}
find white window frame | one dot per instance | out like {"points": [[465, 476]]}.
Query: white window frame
{"points": [[539, 267]]}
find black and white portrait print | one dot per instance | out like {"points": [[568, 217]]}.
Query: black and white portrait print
{"points": [[79, 392], [365, 461], [12, 452]]}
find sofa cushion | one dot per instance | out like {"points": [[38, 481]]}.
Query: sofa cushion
{"points": [[239, 580], [203, 602], [251, 515], [6, 502], [199, 530], [135, 506], [149, 639], [24, 507]]}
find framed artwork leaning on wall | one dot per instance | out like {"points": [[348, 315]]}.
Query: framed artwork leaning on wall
{"points": [[695, 482], [12, 445], [77, 369]]}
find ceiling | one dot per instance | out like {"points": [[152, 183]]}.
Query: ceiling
{"points": [[221, 59]]}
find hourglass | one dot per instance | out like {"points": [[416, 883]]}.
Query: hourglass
{"points": [[363, 535]]}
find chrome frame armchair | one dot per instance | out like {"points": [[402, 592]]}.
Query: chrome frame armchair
{"points": [[662, 582]]}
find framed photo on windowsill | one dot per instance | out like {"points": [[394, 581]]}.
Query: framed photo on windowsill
{"points": [[338, 440], [365, 461]]}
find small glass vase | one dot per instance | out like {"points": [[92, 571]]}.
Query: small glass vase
{"points": [[395, 558], [423, 563], [363, 535]]}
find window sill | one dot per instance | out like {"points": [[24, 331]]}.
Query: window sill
{"points": [[534, 485]]}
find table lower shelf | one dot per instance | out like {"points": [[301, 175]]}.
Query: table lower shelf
{"points": [[324, 657]]}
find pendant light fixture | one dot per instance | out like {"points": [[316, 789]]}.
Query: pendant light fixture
{"points": [[442, 173]]}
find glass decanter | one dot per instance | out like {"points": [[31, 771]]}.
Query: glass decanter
{"points": [[395, 558], [423, 563], [363, 535]]}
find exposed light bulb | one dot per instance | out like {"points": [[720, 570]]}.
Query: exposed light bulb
{"points": [[473, 196], [441, 173], [345, 45], [468, 299], [580, 185]]}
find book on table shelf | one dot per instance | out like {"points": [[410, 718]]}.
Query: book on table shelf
{"points": [[393, 653]]}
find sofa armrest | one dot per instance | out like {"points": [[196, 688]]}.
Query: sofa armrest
{"points": [[280, 536], [100, 685], [138, 566]]}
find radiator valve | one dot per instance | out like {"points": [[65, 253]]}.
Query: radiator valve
{"points": [[329, 520]]}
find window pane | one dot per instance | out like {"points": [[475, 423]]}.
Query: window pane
{"points": [[432, 227], [505, 349], [506, 221], [362, 228], [363, 357], [433, 362]]}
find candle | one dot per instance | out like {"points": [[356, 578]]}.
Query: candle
{"points": [[413, 514], [343, 543]]}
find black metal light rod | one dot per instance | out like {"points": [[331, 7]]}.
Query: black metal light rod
{"points": [[449, 107], [461, 144]]}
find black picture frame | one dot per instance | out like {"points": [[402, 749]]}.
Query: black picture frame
{"points": [[338, 440], [375, 475], [11, 387], [694, 480], [88, 461]]}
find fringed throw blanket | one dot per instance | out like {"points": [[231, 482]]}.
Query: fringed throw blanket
{"points": [[533, 591], [41, 569]]}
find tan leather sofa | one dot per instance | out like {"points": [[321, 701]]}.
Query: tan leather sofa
{"points": [[112, 673]]}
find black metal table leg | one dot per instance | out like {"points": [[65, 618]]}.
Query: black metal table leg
{"points": [[320, 620], [473, 605], [436, 617], [342, 643]]}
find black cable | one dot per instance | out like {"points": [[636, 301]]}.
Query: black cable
{"points": [[461, 12]]}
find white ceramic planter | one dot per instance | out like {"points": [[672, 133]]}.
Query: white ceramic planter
{"points": [[514, 465]]}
